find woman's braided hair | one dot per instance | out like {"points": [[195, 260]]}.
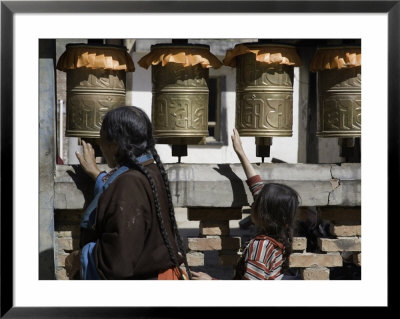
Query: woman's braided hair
{"points": [[131, 128], [171, 209], [274, 212]]}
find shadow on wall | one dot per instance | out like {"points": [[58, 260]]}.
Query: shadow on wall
{"points": [[46, 265], [83, 182], [238, 190]]}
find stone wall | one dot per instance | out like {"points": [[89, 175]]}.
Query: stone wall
{"points": [[327, 243], [214, 236], [223, 185]]}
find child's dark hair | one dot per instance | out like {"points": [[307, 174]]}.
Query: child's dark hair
{"points": [[274, 211], [131, 129]]}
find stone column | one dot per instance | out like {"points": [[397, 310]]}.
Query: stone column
{"points": [[47, 160]]}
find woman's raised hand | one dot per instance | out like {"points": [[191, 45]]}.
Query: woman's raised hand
{"points": [[88, 160]]}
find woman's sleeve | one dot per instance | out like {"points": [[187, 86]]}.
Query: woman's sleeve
{"points": [[255, 184], [123, 229]]}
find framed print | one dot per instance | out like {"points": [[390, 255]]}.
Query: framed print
{"points": [[27, 289]]}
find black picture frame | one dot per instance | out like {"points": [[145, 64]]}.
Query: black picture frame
{"points": [[9, 8]]}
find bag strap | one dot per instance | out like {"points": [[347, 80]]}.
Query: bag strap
{"points": [[88, 218]]}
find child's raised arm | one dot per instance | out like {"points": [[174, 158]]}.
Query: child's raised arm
{"points": [[237, 146]]}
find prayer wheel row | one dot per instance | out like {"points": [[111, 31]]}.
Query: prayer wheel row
{"points": [[96, 83]]}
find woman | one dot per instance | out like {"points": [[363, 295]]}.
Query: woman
{"points": [[129, 231]]}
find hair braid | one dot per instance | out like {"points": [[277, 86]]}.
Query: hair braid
{"points": [[131, 128], [164, 233], [171, 210]]}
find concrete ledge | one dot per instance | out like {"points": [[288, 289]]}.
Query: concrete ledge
{"points": [[223, 185]]}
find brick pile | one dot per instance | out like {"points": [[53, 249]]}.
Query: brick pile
{"points": [[345, 246], [214, 234]]}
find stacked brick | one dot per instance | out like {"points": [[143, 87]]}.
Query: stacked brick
{"points": [[214, 235], [345, 227], [345, 224], [67, 233]]}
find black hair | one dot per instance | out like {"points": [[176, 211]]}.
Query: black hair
{"points": [[274, 211], [131, 129]]}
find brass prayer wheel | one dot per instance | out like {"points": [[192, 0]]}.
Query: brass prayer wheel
{"points": [[264, 88], [179, 91], [339, 91], [180, 101], [264, 98], [96, 83]]}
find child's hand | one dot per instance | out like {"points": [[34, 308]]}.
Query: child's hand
{"points": [[237, 143], [88, 160], [200, 276]]}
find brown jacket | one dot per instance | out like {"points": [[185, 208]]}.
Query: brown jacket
{"points": [[129, 242]]}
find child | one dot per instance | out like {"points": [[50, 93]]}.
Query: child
{"points": [[273, 212]]}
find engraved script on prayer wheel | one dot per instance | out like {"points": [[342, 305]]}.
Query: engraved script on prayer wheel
{"points": [[180, 91], [96, 83], [180, 101], [264, 94], [339, 93], [90, 95]]}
